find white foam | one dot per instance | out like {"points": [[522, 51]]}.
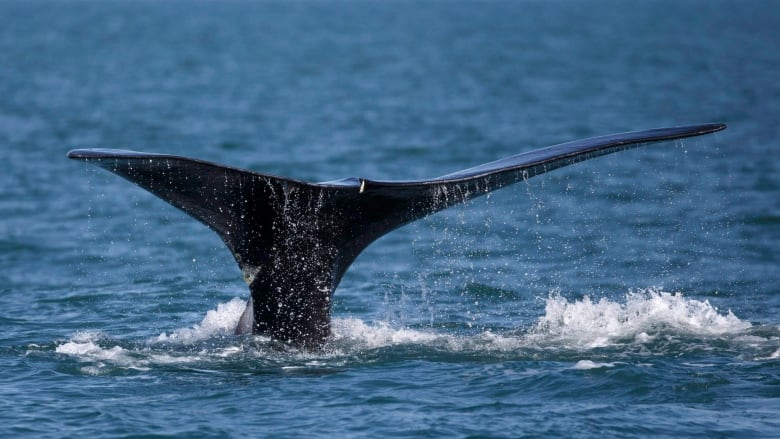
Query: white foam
{"points": [[91, 350], [588, 365], [379, 334], [773, 356], [580, 325], [85, 347], [220, 321], [596, 324]]}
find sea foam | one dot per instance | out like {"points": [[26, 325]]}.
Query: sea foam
{"points": [[567, 325], [220, 321], [644, 312]]}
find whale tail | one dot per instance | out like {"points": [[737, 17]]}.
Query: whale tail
{"points": [[294, 240]]}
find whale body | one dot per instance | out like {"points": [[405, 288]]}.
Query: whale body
{"points": [[294, 240]]}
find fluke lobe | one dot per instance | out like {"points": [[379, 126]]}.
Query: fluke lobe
{"points": [[294, 240]]}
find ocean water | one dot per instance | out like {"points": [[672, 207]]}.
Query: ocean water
{"points": [[632, 295]]}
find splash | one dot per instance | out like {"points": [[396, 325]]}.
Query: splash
{"points": [[220, 321], [644, 312], [567, 328], [378, 335], [579, 323]]}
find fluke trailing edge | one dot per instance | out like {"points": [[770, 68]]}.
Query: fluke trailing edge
{"points": [[294, 240]]}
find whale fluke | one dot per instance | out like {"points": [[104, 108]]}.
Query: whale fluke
{"points": [[294, 240]]}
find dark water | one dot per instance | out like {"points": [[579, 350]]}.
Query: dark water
{"points": [[631, 295]]}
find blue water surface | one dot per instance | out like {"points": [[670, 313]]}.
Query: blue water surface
{"points": [[631, 295]]}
